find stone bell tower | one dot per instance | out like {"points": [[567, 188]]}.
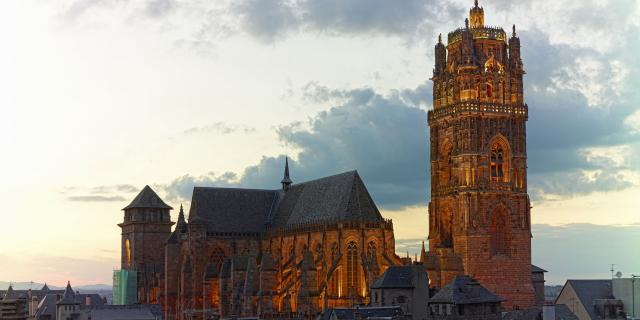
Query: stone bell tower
{"points": [[479, 214], [145, 229]]}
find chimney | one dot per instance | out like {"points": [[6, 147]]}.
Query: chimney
{"points": [[87, 300], [549, 312]]}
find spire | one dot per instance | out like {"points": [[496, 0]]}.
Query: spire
{"points": [[45, 287], [286, 180], [423, 254], [476, 3], [440, 38], [9, 294], [466, 23], [147, 198], [69, 296], [514, 30], [181, 224]]}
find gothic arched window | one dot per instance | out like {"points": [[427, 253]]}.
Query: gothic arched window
{"points": [[127, 248], [447, 164], [352, 268], [489, 91], [217, 257], [334, 252], [371, 251], [497, 163], [334, 284], [498, 232]]}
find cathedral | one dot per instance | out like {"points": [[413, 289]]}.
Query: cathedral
{"points": [[305, 247], [243, 252]]}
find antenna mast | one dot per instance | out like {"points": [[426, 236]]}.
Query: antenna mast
{"points": [[612, 265]]}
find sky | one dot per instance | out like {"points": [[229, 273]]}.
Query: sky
{"points": [[101, 97]]}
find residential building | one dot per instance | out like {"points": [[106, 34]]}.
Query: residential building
{"points": [[465, 298], [403, 286], [591, 299], [628, 291]]}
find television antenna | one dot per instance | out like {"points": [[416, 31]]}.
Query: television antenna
{"points": [[612, 269], [618, 274]]}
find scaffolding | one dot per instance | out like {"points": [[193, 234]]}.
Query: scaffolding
{"points": [[125, 287]]}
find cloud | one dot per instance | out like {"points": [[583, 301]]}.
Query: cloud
{"points": [[104, 193], [159, 8], [274, 20], [383, 137], [633, 122], [219, 127], [96, 198]]}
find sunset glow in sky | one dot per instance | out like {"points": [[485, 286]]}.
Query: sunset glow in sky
{"points": [[101, 97]]}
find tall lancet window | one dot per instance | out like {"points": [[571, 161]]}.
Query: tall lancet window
{"points": [[352, 268], [371, 251], [497, 163]]}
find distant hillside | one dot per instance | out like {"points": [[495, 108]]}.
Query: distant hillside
{"points": [[37, 286]]}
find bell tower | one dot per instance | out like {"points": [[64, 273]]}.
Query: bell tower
{"points": [[145, 229], [479, 214]]}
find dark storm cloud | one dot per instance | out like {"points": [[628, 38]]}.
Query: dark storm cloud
{"points": [[272, 19], [562, 125], [383, 137]]}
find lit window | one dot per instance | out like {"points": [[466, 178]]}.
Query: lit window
{"points": [[497, 163]]}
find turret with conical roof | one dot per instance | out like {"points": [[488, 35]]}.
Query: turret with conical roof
{"points": [[69, 295], [145, 230]]}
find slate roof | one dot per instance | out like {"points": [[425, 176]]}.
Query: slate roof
{"points": [[536, 269], [147, 198], [562, 312], [395, 277], [365, 313], [232, 209], [589, 290], [339, 197], [464, 290]]}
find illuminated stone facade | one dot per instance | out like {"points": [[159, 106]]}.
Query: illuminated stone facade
{"points": [[285, 253], [479, 214]]}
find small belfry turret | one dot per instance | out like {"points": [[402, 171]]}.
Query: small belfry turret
{"points": [[286, 180], [441, 57], [477, 16]]}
